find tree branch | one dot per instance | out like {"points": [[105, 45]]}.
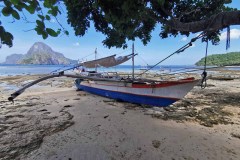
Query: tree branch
{"points": [[214, 23], [25, 18], [28, 30], [59, 24]]}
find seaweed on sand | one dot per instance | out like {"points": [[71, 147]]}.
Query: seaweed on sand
{"points": [[21, 134]]}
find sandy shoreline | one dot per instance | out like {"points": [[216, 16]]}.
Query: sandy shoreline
{"points": [[53, 121]]}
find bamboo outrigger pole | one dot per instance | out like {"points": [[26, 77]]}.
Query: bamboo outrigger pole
{"points": [[60, 74]]}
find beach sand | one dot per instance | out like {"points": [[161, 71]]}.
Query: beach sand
{"points": [[54, 121]]}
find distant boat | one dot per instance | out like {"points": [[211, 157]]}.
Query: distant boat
{"points": [[143, 68]]}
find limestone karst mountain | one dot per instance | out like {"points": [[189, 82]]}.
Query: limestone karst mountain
{"points": [[39, 53]]}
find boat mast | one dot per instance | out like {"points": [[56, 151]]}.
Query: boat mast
{"points": [[133, 61], [95, 59]]}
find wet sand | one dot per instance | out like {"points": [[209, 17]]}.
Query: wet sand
{"points": [[53, 121]]}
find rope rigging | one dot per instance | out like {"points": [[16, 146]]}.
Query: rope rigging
{"points": [[182, 49], [176, 52], [193, 70], [204, 74], [143, 59]]}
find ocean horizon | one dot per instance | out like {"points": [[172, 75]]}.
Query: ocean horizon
{"points": [[31, 69]]}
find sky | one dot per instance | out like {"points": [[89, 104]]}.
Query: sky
{"points": [[81, 47]]}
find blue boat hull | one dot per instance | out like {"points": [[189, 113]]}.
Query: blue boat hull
{"points": [[128, 97]]}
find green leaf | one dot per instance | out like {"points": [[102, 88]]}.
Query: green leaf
{"points": [[15, 2], [21, 6], [38, 30], [66, 32], [47, 4], [48, 17], [15, 14], [32, 7], [59, 31], [53, 2], [5, 37], [54, 11], [161, 2], [18, 8], [41, 17], [6, 11], [7, 3], [228, 1], [44, 35], [51, 32], [40, 24]]}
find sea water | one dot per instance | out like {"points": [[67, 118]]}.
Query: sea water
{"points": [[7, 69], [11, 70]]}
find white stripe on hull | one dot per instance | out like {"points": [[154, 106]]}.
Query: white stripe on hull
{"points": [[177, 91]]}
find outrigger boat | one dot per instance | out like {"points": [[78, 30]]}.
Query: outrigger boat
{"points": [[130, 89], [155, 93]]}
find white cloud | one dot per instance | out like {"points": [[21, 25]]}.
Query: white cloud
{"points": [[184, 39], [76, 44], [234, 34]]}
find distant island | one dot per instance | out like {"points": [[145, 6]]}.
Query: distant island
{"points": [[39, 53], [228, 59]]}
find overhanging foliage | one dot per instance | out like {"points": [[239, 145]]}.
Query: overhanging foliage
{"points": [[127, 20]]}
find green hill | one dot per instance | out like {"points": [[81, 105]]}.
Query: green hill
{"points": [[228, 59]]}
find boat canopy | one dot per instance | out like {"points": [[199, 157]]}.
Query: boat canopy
{"points": [[109, 61]]}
